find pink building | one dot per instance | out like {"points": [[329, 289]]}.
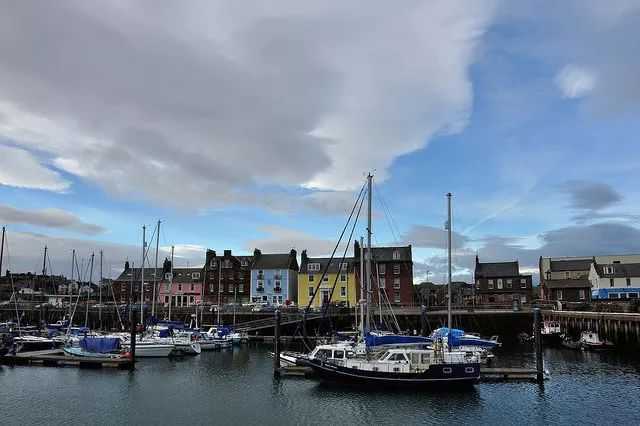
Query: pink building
{"points": [[186, 289]]}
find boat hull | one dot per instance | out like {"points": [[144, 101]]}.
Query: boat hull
{"points": [[79, 353], [460, 375], [152, 350]]}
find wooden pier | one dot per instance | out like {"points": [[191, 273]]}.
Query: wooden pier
{"points": [[57, 358]]}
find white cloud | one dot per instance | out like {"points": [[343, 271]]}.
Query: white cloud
{"points": [[280, 240], [575, 82], [288, 93], [19, 168]]}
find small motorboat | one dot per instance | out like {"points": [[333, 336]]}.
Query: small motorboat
{"points": [[551, 333], [591, 341], [569, 343]]}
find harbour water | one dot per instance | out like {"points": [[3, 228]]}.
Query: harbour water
{"points": [[237, 387]]}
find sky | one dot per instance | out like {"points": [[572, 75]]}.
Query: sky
{"points": [[254, 124]]}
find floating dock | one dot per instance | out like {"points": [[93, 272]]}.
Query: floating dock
{"points": [[57, 358]]}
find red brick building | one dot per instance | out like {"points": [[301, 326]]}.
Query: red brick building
{"points": [[392, 273], [227, 276]]}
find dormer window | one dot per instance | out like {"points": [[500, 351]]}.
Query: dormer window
{"points": [[396, 254], [608, 270], [313, 267], [195, 275]]}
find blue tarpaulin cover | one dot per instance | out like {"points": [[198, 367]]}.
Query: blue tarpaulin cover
{"points": [[456, 337], [373, 339], [100, 345]]}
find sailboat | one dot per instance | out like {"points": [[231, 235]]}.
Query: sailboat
{"points": [[397, 364]]}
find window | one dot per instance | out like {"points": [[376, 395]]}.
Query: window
{"points": [[192, 300], [344, 266], [211, 288], [338, 354], [325, 279], [613, 295], [608, 270], [611, 282], [523, 298], [447, 370], [343, 277], [396, 297], [523, 283], [559, 294], [509, 283], [310, 291], [381, 282], [310, 277], [343, 292], [191, 287], [265, 298], [396, 283], [623, 295], [397, 357], [628, 282], [581, 294], [633, 295], [227, 264], [241, 277], [241, 287], [499, 283], [567, 274], [396, 255], [167, 276], [195, 275], [313, 267], [490, 284], [396, 269], [274, 299], [166, 299], [382, 269], [213, 264], [244, 263], [179, 287], [425, 358]]}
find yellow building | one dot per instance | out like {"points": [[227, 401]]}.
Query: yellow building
{"points": [[339, 276]]}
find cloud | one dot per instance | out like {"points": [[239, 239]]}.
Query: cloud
{"points": [[192, 114], [20, 168], [23, 253], [280, 240], [431, 237], [590, 195], [50, 218], [575, 82]]}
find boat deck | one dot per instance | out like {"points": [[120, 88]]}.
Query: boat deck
{"points": [[57, 358]]}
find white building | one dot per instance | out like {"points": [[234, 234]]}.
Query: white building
{"points": [[614, 280]]}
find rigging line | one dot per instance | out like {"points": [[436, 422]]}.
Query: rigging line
{"points": [[346, 225], [387, 210], [386, 216], [344, 254]]}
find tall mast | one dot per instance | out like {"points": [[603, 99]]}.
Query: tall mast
{"points": [[44, 262], [100, 293], [171, 284], [73, 262], [2, 251], [155, 272], [219, 289], [449, 226], [144, 246], [362, 289], [86, 314], [368, 254]]}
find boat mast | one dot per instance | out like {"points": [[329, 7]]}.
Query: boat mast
{"points": [[449, 259], [368, 254], [144, 246], [44, 262], [219, 288], [155, 271], [100, 293], [86, 312], [171, 284], [362, 290], [2, 251]]}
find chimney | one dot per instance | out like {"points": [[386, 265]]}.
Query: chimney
{"points": [[126, 266], [227, 253], [303, 256], [166, 266], [257, 253], [356, 249], [293, 253]]}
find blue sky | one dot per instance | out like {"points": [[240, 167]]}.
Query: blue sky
{"points": [[258, 132]]}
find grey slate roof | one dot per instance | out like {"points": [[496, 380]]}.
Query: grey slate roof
{"points": [[323, 261], [385, 254], [620, 270], [179, 275], [497, 269], [275, 261], [581, 283], [571, 265]]}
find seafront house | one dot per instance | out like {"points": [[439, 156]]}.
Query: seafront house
{"points": [[392, 271], [565, 279], [131, 277], [501, 283], [185, 289], [340, 277], [614, 280], [274, 277], [227, 278]]}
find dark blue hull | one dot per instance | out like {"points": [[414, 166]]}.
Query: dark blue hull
{"points": [[436, 375]]}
